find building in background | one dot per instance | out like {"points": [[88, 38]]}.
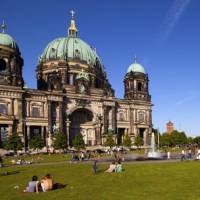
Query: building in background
{"points": [[73, 94]]}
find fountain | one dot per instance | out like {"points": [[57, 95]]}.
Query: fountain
{"points": [[153, 153]]}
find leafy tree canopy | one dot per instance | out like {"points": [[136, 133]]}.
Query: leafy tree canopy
{"points": [[109, 141], [36, 142], [14, 143], [138, 141], [127, 141], [60, 141], [176, 138], [78, 142], [196, 140]]}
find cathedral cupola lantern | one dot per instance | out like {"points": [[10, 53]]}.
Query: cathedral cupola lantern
{"points": [[136, 82], [10, 60], [72, 30]]}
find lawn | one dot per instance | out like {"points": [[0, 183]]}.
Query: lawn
{"points": [[38, 158], [151, 181]]}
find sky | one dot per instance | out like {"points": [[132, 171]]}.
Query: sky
{"points": [[164, 34]]}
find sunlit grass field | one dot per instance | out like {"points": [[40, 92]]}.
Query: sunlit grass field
{"points": [[148, 181]]}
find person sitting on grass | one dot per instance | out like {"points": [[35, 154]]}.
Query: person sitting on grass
{"points": [[119, 167], [46, 184], [111, 168], [32, 185]]}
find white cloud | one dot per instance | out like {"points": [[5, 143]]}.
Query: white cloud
{"points": [[175, 12]]}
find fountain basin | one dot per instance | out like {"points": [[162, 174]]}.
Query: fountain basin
{"points": [[155, 154]]}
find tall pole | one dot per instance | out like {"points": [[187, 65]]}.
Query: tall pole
{"points": [[158, 138]]}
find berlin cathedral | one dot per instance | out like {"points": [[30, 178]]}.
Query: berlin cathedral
{"points": [[73, 95]]}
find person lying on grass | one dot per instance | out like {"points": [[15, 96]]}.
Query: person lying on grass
{"points": [[111, 168]]}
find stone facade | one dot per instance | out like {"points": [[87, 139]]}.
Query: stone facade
{"points": [[72, 96]]}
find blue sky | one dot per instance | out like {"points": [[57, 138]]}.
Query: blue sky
{"points": [[164, 34]]}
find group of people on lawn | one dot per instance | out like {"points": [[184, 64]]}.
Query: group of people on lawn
{"points": [[44, 185], [115, 167]]}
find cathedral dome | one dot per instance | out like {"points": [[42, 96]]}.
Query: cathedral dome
{"points": [[7, 40], [69, 48], [136, 67]]}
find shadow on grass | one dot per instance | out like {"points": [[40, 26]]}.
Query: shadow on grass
{"points": [[57, 186], [9, 173]]}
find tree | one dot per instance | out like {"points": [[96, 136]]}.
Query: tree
{"points": [[60, 141], [36, 142], [78, 142], [109, 141], [178, 138], [196, 140], [190, 140], [138, 141], [166, 140], [14, 143], [127, 141]]}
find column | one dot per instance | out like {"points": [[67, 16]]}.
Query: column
{"points": [[28, 108], [67, 131], [105, 119], [145, 135], [61, 116], [9, 108], [49, 117], [10, 131], [20, 116], [86, 136], [42, 132], [28, 136], [114, 120]]}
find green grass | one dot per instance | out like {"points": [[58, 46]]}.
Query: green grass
{"points": [[40, 158], [151, 181]]}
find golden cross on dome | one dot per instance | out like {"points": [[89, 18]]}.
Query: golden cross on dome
{"points": [[72, 13]]}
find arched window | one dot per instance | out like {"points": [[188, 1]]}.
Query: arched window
{"points": [[121, 116], [139, 86], [35, 111], [3, 109], [2, 64], [141, 117], [77, 54]]}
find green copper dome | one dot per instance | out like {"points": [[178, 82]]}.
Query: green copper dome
{"points": [[69, 48], [136, 67], [7, 40]]}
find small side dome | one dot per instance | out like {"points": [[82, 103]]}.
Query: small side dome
{"points": [[136, 67], [7, 40]]}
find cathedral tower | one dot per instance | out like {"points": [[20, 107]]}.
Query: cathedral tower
{"points": [[10, 61], [136, 83]]}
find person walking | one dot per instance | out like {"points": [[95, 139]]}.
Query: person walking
{"points": [[95, 167], [182, 155]]}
